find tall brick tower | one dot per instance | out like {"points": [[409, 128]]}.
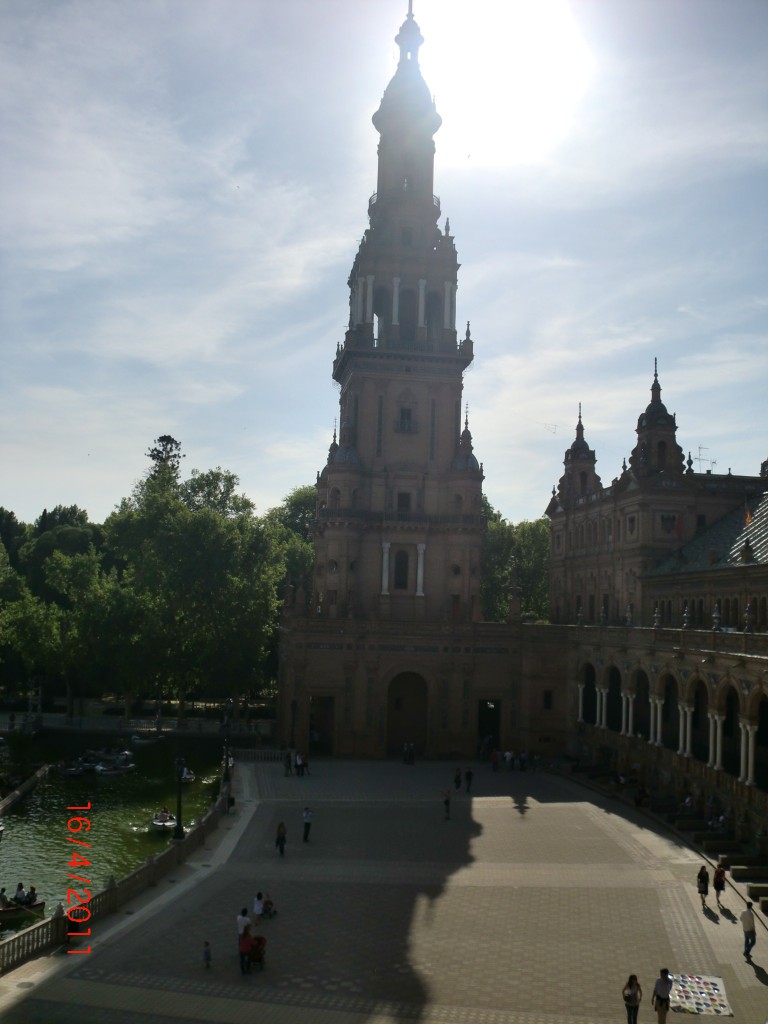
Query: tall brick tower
{"points": [[366, 657]]}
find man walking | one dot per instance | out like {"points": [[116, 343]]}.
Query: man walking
{"points": [[660, 997], [750, 937], [307, 823]]}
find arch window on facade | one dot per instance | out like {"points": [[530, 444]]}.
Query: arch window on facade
{"points": [[334, 498], [406, 421], [661, 454], [403, 503], [401, 570]]}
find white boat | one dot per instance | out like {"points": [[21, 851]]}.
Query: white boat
{"points": [[163, 821], [113, 769]]}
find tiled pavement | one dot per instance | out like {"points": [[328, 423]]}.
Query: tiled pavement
{"points": [[530, 906]]}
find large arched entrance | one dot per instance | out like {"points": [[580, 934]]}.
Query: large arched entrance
{"points": [[407, 713]]}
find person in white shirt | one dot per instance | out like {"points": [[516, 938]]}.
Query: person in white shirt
{"points": [[660, 997], [243, 922], [258, 905], [750, 936]]}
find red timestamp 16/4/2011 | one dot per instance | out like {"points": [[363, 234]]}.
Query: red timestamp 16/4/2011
{"points": [[78, 910]]}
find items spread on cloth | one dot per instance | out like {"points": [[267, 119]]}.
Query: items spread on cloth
{"points": [[699, 993]]}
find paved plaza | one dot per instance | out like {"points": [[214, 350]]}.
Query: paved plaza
{"points": [[531, 905]]}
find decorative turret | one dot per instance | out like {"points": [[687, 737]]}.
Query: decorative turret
{"points": [[579, 478], [657, 450]]}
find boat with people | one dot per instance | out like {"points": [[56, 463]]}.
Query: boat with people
{"points": [[15, 912], [187, 775], [163, 821]]}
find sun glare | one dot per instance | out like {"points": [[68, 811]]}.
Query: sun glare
{"points": [[507, 74]]}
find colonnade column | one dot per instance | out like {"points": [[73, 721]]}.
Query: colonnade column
{"points": [[719, 719], [750, 731], [420, 548], [711, 752], [659, 729], [581, 702], [623, 714], [447, 305], [631, 702], [688, 730], [369, 300], [359, 300], [385, 546], [652, 723], [604, 710], [680, 728], [742, 751]]}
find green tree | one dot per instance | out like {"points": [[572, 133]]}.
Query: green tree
{"points": [[514, 560], [215, 490]]}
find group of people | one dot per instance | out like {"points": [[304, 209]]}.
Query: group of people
{"points": [[511, 760], [21, 898], [718, 884], [300, 762], [281, 837], [468, 776], [632, 994], [251, 948]]}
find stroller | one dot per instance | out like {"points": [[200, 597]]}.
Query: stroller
{"points": [[258, 950]]}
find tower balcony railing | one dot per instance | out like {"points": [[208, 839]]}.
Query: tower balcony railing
{"points": [[396, 195], [475, 522]]}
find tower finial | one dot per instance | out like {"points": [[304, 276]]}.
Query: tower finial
{"points": [[655, 368], [579, 412], [466, 416]]}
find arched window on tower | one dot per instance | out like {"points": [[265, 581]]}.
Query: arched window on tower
{"points": [[382, 315], [334, 498], [434, 312], [661, 454], [401, 570], [582, 483], [409, 309]]}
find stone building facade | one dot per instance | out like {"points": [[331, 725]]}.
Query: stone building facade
{"points": [[656, 658]]}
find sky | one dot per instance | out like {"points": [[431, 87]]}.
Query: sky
{"points": [[184, 184]]}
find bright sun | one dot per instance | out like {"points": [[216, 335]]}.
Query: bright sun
{"points": [[508, 75]]}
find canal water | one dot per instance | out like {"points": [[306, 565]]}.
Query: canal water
{"points": [[35, 847]]}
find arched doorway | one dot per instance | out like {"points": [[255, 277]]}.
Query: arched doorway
{"points": [[670, 714], [642, 714], [407, 713]]}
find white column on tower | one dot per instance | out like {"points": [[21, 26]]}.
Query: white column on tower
{"points": [[396, 301], [369, 298], [420, 548]]}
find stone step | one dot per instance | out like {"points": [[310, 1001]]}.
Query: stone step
{"points": [[749, 872], [757, 891], [737, 857], [705, 835], [720, 845]]}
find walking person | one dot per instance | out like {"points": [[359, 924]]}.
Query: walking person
{"points": [[288, 762], [702, 885], [750, 936], [661, 993], [447, 803], [632, 995], [718, 883], [457, 779], [207, 955], [244, 945], [281, 837], [243, 922], [468, 776], [307, 817]]}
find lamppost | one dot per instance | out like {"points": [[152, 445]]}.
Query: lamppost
{"points": [[178, 832], [225, 776]]}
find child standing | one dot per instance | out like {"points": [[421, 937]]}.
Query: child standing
{"points": [[207, 955]]}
